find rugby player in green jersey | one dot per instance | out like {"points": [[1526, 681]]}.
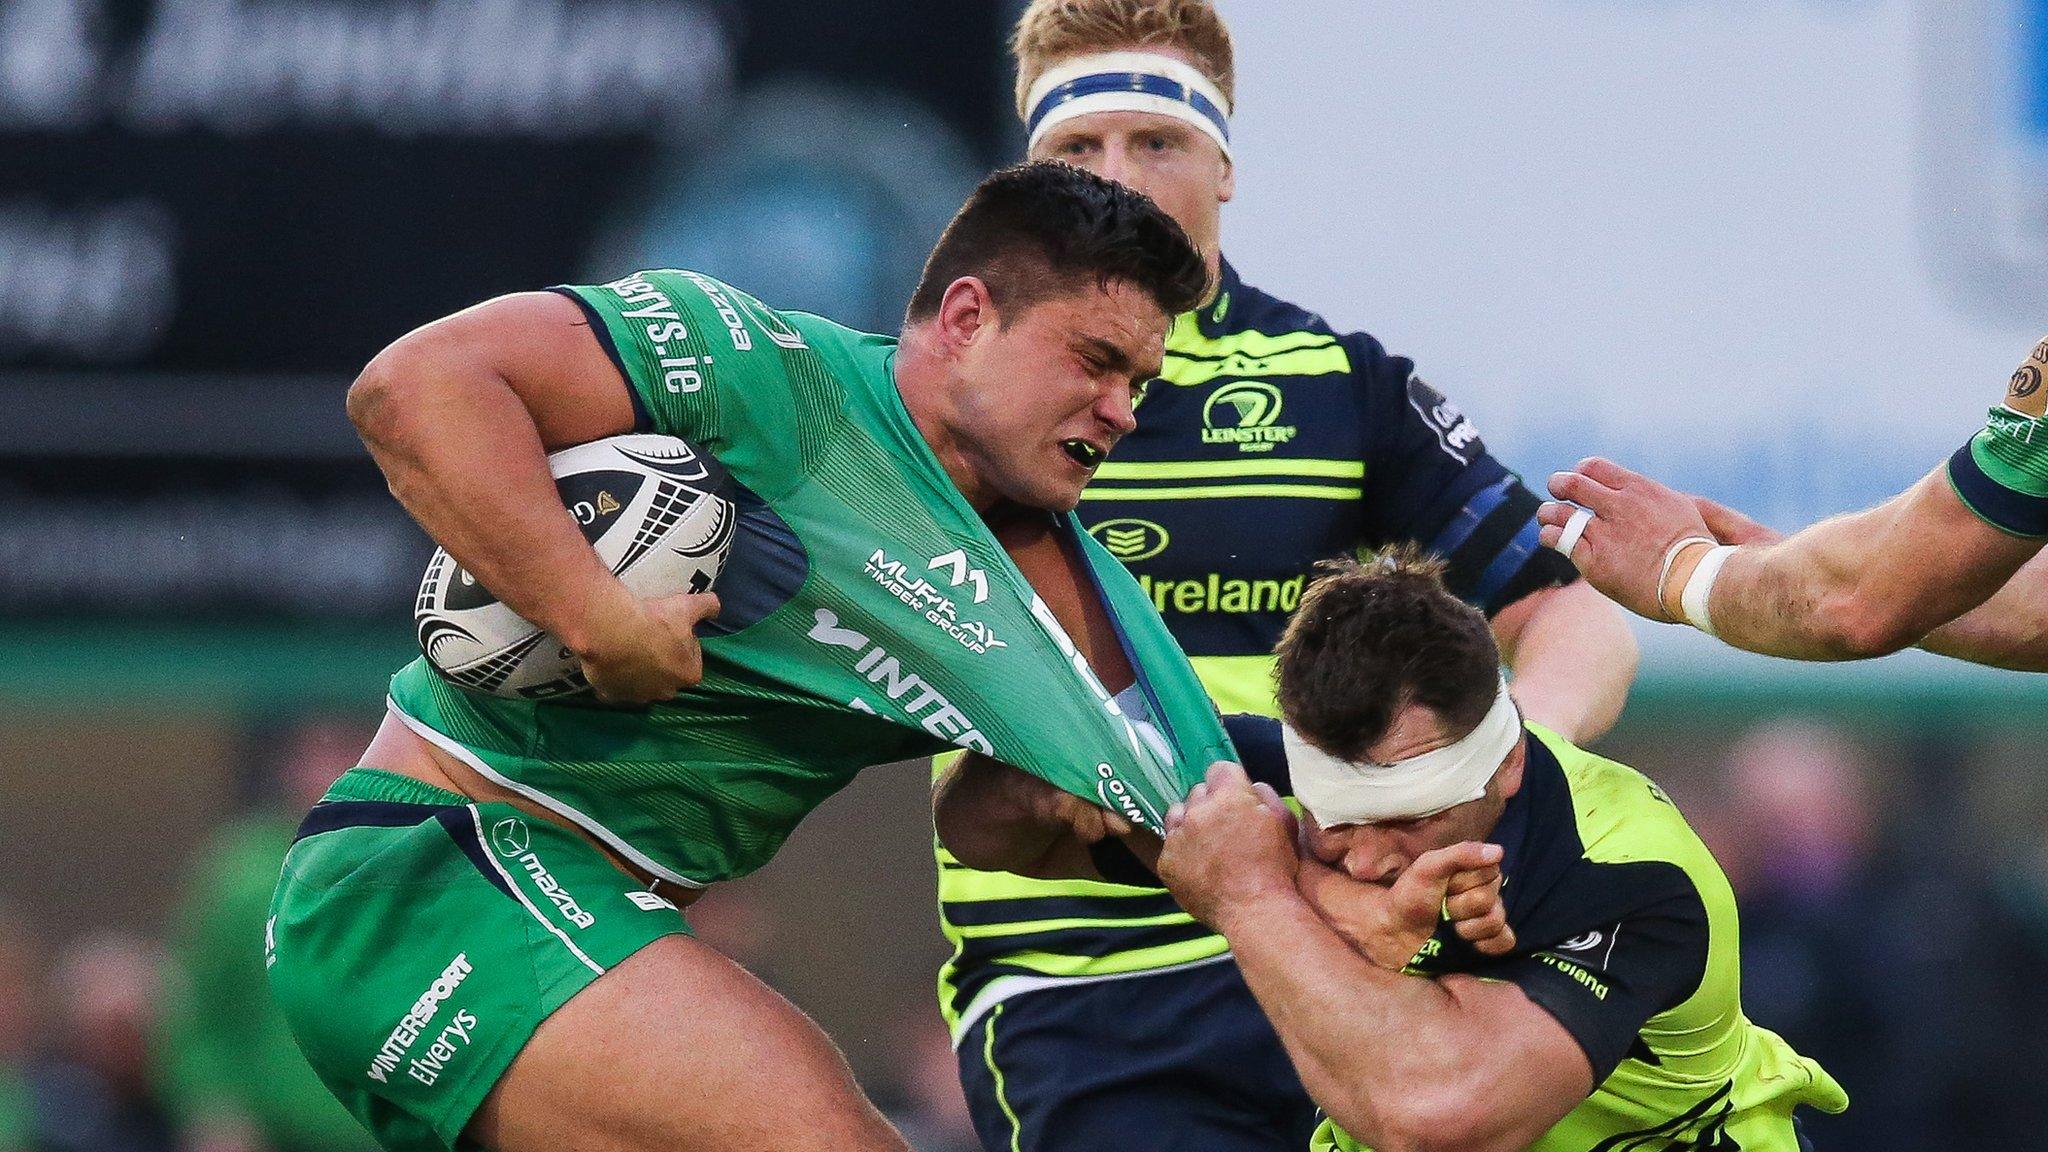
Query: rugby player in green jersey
{"points": [[1590, 1003], [476, 938], [1270, 441], [1953, 564]]}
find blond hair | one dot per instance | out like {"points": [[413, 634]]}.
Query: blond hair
{"points": [[1052, 30]]}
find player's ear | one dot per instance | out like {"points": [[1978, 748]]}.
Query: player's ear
{"points": [[965, 311], [1509, 778], [1226, 188]]}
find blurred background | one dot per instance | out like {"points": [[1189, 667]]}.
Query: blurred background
{"points": [[1783, 252]]}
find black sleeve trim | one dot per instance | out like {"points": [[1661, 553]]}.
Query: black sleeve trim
{"points": [[1478, 549], [2013, 513], [1546, 569], [643, 420]]}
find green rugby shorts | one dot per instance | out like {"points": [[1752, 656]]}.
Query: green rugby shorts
{"points": [[417, 940]]}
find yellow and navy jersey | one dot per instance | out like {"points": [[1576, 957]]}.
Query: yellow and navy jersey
{"points": [[1269, 442], [1626, 934]]}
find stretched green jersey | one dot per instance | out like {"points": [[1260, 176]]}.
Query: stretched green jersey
{"points": [[868, 614], [1626, 933]]}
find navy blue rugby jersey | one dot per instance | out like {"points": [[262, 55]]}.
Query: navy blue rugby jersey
{"points": [[1269, 442], [1272, 441]]}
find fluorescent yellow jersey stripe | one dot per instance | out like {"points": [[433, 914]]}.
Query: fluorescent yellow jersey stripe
{"points": [[1324, 361], [1223, 492], [1239, 683], [1211, 469], [1185, 340]]}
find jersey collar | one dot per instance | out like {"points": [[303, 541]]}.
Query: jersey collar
{"points": [[1213, 318]]}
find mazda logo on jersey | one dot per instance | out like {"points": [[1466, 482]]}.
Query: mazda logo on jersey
{"points": [[1131, 540], [1245, 413]]}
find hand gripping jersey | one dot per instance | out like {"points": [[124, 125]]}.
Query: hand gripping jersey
{"points": [[1626, 933], [1269, 442], [868, 615]]}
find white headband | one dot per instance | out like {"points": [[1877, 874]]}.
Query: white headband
{"points": [[1127, 82], [1338, 792]]}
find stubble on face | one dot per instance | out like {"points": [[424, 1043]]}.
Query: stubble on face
{"points": [[1046, 399]]}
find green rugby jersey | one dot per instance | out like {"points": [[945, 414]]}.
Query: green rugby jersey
{"points": [[868, 614], [1269, 442], [2002, 473], [1626, 933]]}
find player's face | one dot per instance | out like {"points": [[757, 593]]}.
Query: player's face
{"points": [[1044, 395], [1169, 160], [1379, 852]]}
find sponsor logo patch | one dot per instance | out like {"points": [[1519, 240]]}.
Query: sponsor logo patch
{"points": [[918, 699], [938, 606], [1131, 540], [417, 1019], [512, 838], [1245, 413], [1454, 431]]}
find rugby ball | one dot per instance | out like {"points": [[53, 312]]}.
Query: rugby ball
{"points": [[654, 509]]}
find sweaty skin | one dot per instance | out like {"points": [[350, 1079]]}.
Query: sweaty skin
{"points": [[460, 414]]}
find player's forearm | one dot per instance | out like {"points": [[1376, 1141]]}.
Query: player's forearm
{"points": [[1390, 1057], [2010, 630], [1573, 658], [1862, 584], [983, 812], [462, 454]]}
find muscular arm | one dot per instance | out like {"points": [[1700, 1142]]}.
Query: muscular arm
{"points": [[1859, 585], [1401, 1062], [460, 415], [1573, 658], [997, 818], [2010, 630]]}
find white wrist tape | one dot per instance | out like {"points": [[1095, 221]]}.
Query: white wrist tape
{"points": [[1700, 586], [1127, 82], [1670, 558], [1574, 528], [1338, 792]]}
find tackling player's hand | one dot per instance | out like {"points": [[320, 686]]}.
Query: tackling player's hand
{"points": [[1231, 843], [641, 651], [1728, 526], [1635, 522], [1389, 925], [1051, 806]]}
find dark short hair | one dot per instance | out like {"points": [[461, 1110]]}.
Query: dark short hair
{"points": [[1373, 637], [1033, 231]]}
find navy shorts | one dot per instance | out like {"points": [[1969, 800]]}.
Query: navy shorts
{"points": [[1178, 1061]]}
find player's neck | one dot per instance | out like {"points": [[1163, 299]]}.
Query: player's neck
{"points": [[921, 382]]}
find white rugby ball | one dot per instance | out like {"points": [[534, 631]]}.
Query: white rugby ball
{"points": [[653, 508]]}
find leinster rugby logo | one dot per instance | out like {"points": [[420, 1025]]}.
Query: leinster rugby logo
{"points": [[1245, 413], [1131, 540]]}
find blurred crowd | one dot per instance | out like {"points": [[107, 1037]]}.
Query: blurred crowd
{"points": [[1906, 965]]}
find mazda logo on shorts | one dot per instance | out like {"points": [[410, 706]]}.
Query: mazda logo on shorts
{"points": [[510, 836], [1130, 540]]}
